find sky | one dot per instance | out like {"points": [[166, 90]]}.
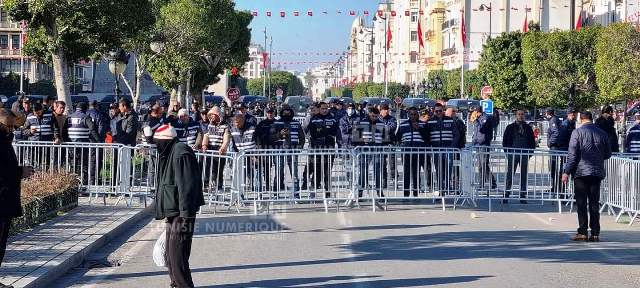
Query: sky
{"points": [[319, 33]]}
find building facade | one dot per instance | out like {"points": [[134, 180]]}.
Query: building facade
{"points": [[254, 68]]}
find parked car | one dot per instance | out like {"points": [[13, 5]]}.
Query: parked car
{"points": [[463, 104], [417, 102], [213, 100], [377, 101], [251, 100], [299, 104]]}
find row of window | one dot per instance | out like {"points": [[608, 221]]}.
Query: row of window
{"points": [[15, 41]]}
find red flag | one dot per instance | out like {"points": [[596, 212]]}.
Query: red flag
{"points": [[389, 36], [406, 13], [525, 26], [366, 12], [463, 32], [282, 14], [352, 13], [579, 23], [296, 13], [268, 13], [393, 13], [265, 56], [380, 13], [255, 13], [420, 40], [310, 13], [421, 12]]}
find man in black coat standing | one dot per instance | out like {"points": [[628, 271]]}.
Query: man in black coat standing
{"points": [[179, 197], [10, 176], [588, 149], [517, 139]]}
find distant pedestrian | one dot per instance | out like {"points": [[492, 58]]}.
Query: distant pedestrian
{"points": [[588, 149], [179, 198], [608, 125], [10, 175]]}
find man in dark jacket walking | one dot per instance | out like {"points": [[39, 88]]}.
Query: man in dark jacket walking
{"points": [[519, 137], [179, 197], [10, 175], [588, 149]]}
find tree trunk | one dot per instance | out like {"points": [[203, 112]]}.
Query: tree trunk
{"points": [[174, 97], [180, 95], [60, 76]]}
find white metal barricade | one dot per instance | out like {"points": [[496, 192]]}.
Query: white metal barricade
{"points": [[294, 175], [620, 190], [407, 174], [519, 174], [218, 174], [94, 163]]}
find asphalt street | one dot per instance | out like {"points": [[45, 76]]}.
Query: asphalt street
{"points": [[416, 246]]}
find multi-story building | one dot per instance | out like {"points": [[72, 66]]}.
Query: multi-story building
{"points": [[254, 68], [358, 65], [319, 80]]}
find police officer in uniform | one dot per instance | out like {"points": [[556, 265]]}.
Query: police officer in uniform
{"points": [[291, 136], [482, 136], [412, 133], [217, 139], [243, 136], [443, 134], [632, 142], [323, 129], [391, 125], [82, 130], [187, 129], [267, 138], [369, 132], [39, 126], [346, 125]]}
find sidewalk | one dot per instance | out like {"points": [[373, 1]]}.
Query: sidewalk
{"points": [[37, 257]]}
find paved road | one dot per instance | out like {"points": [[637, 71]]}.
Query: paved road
{"points": [[405, 247]]}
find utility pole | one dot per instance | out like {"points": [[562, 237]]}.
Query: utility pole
{"points": [[572, 11], [270, 53], [264, 79]]}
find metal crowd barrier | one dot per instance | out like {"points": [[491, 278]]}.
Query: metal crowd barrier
{"points": [[218, 176], [408, 174], [620, 190], [294, 175], [95, 164], [519, 174]]}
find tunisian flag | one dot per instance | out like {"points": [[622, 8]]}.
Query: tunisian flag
{"points": [[579, 23], [463, 32], [389, 36], [420, 41], [525, 26]]}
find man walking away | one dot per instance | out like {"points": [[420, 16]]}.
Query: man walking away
{"points": [[608, 125], [632, 143], [10, 175], [517, 137], [178, 200], [588, 149], [560, 132]]}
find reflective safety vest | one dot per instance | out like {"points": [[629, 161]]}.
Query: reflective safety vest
{"points": [[187, 133], [633, 140], [441, 132], [366, 133], [43, 127], [243, 139], [295, 129], [411, 137], [216, 135], [78, 129]]}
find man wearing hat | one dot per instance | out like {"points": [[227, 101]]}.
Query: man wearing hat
{"points": [[216, 138], [188, 130], [178, 199], [248, 118], [632, 143]]}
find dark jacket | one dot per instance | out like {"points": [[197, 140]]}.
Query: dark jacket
{"points": [[324, 131], [514, 137], [127, 129], [462, 131], [10, 175], [266, 134], [179, 189], [566, 128], [391, 124], [588, 149], [442, 132], [554, 136], [346, 126], [101, 121], [408, 136], [608, 125], [483, 130]]}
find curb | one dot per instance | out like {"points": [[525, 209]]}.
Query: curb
{"points": [[48, 276]]}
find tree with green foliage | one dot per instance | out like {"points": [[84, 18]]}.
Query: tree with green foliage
{"points": [[62, 32], [341, 92], [360, 91], [289, 83], [396, 90], [10, 84], [560, 67], [474, 80], [376, 89], [617, 67], [201, 38], [43, 87], [435, 92], [501, 64]]}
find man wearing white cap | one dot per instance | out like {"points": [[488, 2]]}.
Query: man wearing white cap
{"points": [[187, 129], [178, 199]]}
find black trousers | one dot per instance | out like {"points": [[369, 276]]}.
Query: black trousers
{"points": [[513, 161], [587, 194], [390, 174], [556, 164], [5, 224], [320, 167], [411, 165], [214, 172], [178, 251]]}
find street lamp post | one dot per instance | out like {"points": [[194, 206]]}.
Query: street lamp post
{"points": [[118, 61], [488, 8]]}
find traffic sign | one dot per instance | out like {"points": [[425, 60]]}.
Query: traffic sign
{"points": [[487, 106], [485, 92], [279, 92], [233, 94], [398, 100]]}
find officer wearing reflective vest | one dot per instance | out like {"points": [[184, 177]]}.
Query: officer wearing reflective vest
{"points": [[187, 129], [217, 139], [81, 128], [442, 134], [324, 134], [413, 133], [369, 132], [291, 136], [632, 143], [39, 126]]}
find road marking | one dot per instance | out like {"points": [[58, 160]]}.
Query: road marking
{"points": [[345, 236]]}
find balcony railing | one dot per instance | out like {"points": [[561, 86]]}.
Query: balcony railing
{"points": [[7, 24], [9, 52], [449, 23], [448, 52]]}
